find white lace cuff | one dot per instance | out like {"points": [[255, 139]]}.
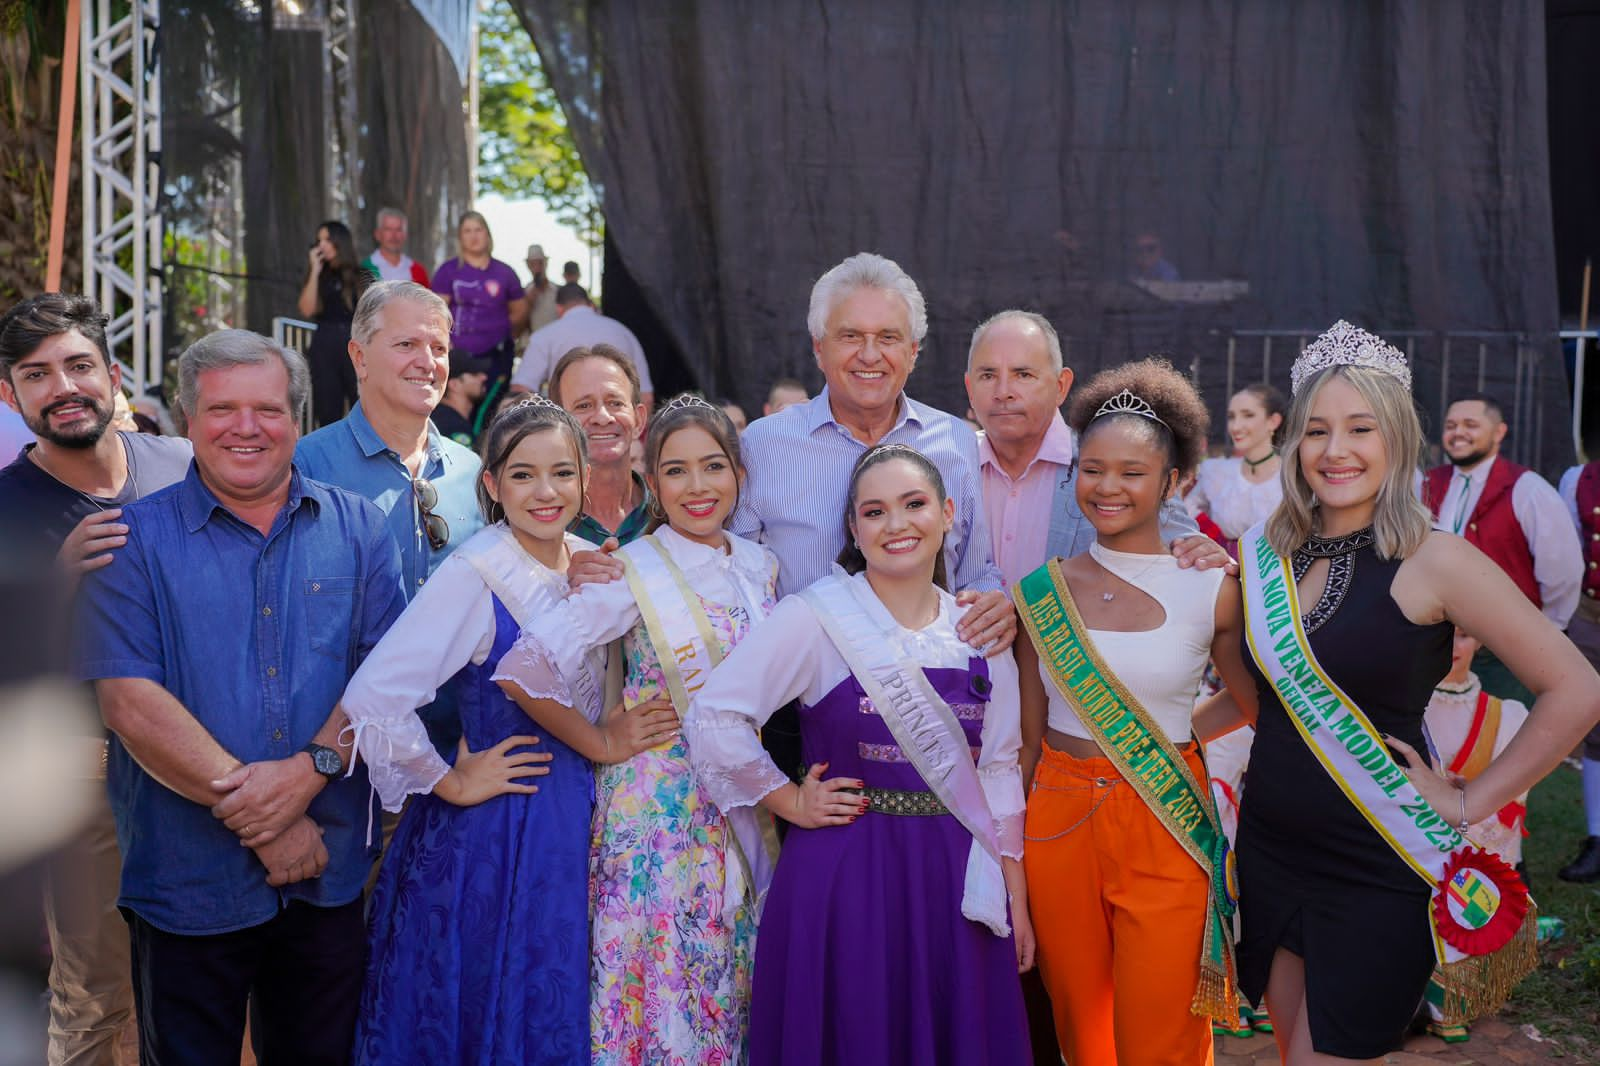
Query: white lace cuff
{"points": [[728, 758], [400, 758], [530, 666]]}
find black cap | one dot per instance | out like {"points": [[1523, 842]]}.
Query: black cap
{"points": [[464, 362]]}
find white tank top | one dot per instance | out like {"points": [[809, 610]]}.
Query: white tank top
{"points": [[1160, 666]]}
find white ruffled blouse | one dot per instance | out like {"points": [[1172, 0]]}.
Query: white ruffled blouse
{"points": [[1234, 504], [790, 656], [553, 644], [449, 624]]}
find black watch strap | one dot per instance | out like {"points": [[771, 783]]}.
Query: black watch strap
{"points": [[325, 760]]}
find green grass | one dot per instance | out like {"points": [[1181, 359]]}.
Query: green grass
{"points": [[1563, 998]]}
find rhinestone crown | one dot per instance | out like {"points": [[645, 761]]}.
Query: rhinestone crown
{"points": [[1127, 402], [1347, 345], [688, 399]]}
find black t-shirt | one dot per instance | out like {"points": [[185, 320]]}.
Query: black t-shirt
{"points": [[453, 424], [37, 512]]}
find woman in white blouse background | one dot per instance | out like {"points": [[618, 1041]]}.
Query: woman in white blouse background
{"points": [[1243, 489]]}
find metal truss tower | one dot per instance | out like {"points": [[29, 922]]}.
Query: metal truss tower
{"points": [[122, 228]]}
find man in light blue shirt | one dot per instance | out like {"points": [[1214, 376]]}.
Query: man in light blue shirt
{"points": [[867, 319], [388, 450]]}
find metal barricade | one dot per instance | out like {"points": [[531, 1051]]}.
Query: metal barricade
{"points": [[296, 333]]}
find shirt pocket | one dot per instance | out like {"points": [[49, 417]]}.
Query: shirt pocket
{"points": [[331, 615]]}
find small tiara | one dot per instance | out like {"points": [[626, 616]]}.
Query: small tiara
{"points": [[688, 399], [534, 399], [1126, 403], [1347, 345], [891, 449]]}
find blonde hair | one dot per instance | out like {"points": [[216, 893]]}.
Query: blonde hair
{"points": [[1399, 521]]}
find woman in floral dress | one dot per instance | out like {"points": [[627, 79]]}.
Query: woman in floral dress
{"points": [[674, 885]]}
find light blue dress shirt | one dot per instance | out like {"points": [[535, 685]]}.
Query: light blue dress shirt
{"points": [[798, 463]]}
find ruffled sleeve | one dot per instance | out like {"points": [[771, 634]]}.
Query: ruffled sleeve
{"points": [[998, 769], [772, 665], [549, 653], [449, 624]]}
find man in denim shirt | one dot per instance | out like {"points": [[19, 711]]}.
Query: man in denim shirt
{"points": [[220, 643], [389, 451]]}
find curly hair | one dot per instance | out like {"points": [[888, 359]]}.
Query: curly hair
{"points": [[1184, 418]]}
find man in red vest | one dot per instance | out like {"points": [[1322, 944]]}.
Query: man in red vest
{"points": [[1580, 491], [1510, 513]]}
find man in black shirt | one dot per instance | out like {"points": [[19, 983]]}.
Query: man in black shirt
{"points": [[469, 376], [60, 503]]}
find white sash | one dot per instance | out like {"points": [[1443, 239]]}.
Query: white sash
{"points": [[688, 650], [516, 578], [1339, 734], [925, 728]]}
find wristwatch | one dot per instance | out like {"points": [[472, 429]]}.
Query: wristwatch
{"points": [[325, 760]]}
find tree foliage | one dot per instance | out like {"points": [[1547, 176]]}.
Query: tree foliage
{"points": [[524, 146]]}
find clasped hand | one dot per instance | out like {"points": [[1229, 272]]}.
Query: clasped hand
{"points": [[262, 799]]}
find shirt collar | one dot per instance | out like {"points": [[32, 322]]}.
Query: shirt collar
{"points": [[197, 503], [1056, 447], [371, 444], [819, 413]]}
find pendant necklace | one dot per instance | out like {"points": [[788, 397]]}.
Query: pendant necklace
{"points": [[1253, 463]]}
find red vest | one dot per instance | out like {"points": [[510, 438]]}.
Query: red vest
{"points": [[1493, 526], [1589, 520]]}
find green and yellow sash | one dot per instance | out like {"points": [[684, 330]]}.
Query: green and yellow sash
{"points": [[1483, 920], [1125, 734]]}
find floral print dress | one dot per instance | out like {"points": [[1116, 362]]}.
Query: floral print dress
{"points": [[669, 976]]}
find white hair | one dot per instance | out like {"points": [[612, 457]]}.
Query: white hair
{"points": [[865, 271], [380, 294], [1051, 339], [391, 212]]}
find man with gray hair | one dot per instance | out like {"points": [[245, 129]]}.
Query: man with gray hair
{"points": [[1016, 383], [388, 449], [389, 261], [219, 644], [867, 320]]}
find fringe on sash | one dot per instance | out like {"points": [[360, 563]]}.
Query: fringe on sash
{"points": [[1481, 984], [1217, 994]]}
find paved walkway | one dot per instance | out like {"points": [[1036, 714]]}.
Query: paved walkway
{"points": [[1494, 1042]]}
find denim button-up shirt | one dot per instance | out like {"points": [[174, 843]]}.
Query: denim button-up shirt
{"points": [[350, 454], [257, 637]]}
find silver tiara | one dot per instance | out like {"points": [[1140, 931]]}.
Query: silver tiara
{"points": [[1347, 345], [534, 399], [688, 399], [1126, 403]]}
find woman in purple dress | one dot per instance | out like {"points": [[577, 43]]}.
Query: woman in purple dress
{"points": [[885, 936]]}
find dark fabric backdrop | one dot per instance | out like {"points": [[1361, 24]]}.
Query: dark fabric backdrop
{"points": [[1383, 162]]}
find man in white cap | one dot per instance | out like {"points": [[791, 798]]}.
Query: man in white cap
{"points": [[540, 293]]}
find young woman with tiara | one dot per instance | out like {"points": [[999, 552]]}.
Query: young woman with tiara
{"points": [[479, 919], [885, 936], [1357, 871], [1238, 491], [1127, 864], [675, 886]]}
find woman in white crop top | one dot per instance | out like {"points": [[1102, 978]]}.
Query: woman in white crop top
{"points": [[1130, 934]]}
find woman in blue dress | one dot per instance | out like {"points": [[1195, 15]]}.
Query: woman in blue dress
{"points": [[479, 924]]}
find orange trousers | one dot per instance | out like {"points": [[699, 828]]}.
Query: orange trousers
{"points": [[1119, 909]]}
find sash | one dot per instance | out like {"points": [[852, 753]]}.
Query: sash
{"points": [[517, 579], [687, 648], [1479, 904], [1126, 735], [925, 728]]}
